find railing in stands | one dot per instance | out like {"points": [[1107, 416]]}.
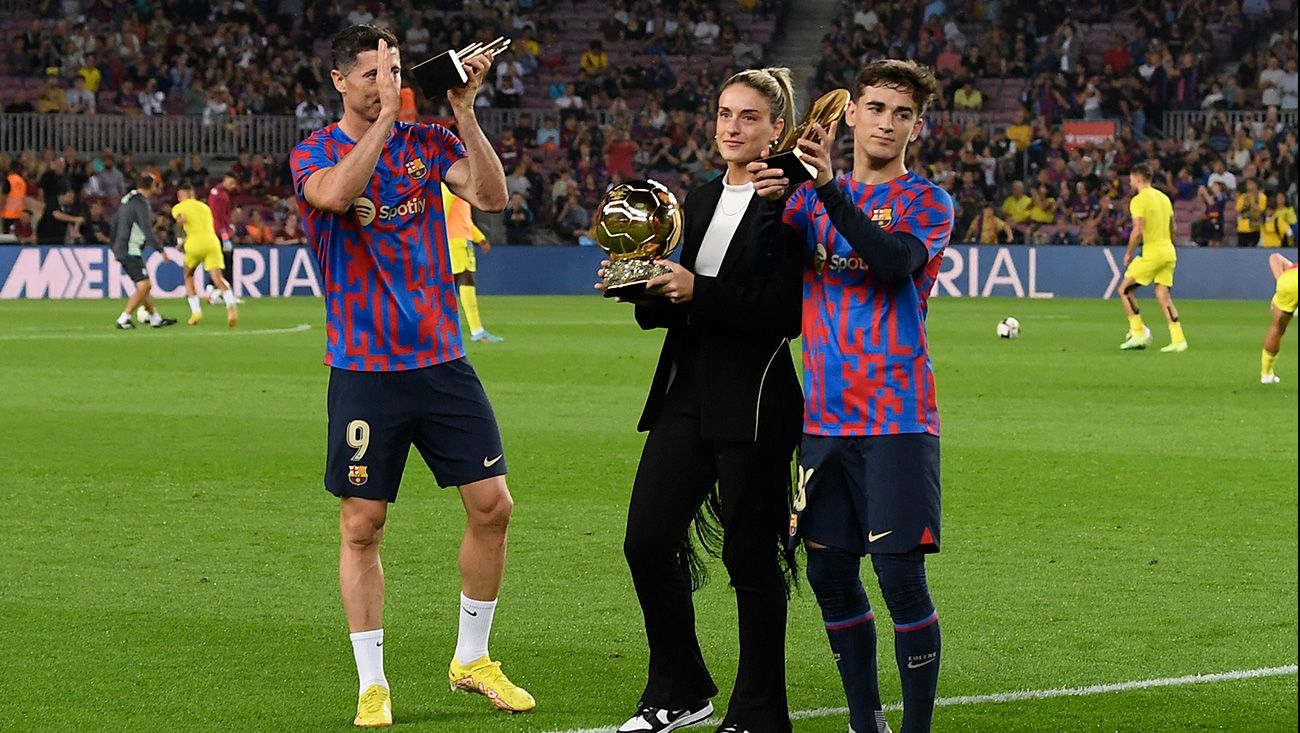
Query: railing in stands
{"points": [[149, 137], [166, 136], [1176, 123]]}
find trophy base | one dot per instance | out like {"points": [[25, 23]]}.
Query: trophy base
{"points": [[630, 291], [793, 166], [627, 279]]}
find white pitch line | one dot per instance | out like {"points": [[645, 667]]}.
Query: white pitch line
{"points": [[180, 332], [1022, 695]]}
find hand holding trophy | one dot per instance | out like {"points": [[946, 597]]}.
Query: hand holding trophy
{"points": [[825, 111], [636, 223]]}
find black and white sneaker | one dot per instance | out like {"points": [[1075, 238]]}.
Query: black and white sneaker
{"points": [[660, 720], [732, 728], [124, 325], [164, 322]]}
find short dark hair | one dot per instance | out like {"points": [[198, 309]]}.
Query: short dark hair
{"points": [[904, 76], [347, 43], [145, 182], [1141, 170]]}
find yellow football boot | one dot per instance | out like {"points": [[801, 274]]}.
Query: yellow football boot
{"points": [[194, 319], [374, 708], [484, 677]]}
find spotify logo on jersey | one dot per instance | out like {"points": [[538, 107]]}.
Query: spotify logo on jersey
{"points": [[365, 209]]}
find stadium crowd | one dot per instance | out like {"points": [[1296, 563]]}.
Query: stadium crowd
{"points": [[594, 93]]}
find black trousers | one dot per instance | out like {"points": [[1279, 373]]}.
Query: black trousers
{"points": [[678, 470]]}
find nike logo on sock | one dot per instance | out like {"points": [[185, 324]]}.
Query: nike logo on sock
{"points": [[379, 643], [914, 664], [466, 610]]}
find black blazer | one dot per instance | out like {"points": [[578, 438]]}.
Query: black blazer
{"points": [[746, 316]]}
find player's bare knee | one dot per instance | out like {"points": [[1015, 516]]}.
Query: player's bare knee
{"points": [[362, 527], [493, 514]]}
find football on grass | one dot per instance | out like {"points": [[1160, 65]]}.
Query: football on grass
{"points": [[1008, 328]]}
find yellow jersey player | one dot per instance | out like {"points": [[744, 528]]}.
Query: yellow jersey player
{"points": [[1284, 305], [462, 235], [201, 247], [1153, 227]]}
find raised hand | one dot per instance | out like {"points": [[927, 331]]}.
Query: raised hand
{"points": [[816, 149], [388, 80], [476, 68]]}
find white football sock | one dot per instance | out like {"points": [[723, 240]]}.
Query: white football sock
{"points": [[229, 297], [194, 304], [475, 627], [368, 651]]}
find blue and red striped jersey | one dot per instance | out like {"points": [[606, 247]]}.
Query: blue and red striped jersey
{"points": [[390, 300], [866, 359]]}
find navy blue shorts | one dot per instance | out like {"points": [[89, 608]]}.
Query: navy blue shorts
{"points": [[375, 418], [873, 494]]}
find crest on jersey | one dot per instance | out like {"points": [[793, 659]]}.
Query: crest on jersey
{"points": [[365, 211], [357, 475], [819, 259], [882, 216], [416, 168]]}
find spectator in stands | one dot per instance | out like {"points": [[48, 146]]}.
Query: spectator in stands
{"points": [[59, 222], [1289, 85], [706, 31], [1209, 229], [53, 99], [619, 153], [1042, 206], [111, 180], [570, 99], [548, 135], [509, 91], [15, 194], [987, 228], [20, 61], [22, 229], [80, 101], [518, 219], [290, 231], [1222, 175], [1117, 56], [257, 231], [310, 113], [197, 174], [1279, 221], [1251, 204], [1016, 206], [96, 228], [573, 220], [151, 99], [594, 61], [968, 98], [747, 53]]}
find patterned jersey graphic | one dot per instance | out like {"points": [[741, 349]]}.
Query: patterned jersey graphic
{"points": [[390, 301], [867, 369]]}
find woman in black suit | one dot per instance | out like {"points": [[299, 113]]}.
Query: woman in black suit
{"points": [[723, 416]]}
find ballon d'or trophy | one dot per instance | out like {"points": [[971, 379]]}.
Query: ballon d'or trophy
{"points": [[636, 223], [787, 156]]}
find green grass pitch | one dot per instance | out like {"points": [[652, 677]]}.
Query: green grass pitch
{"points": [[170, 556]]}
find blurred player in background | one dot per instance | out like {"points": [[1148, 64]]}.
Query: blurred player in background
{"points": [[219, 203], [869, 460], [198, 240], [133, 230], [1153, 228], [369, 188], [1284, 305], [462, 235]]}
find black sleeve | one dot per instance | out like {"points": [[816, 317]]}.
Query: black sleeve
{"points": [[892, 257], [661, 314], [767, 301]]}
